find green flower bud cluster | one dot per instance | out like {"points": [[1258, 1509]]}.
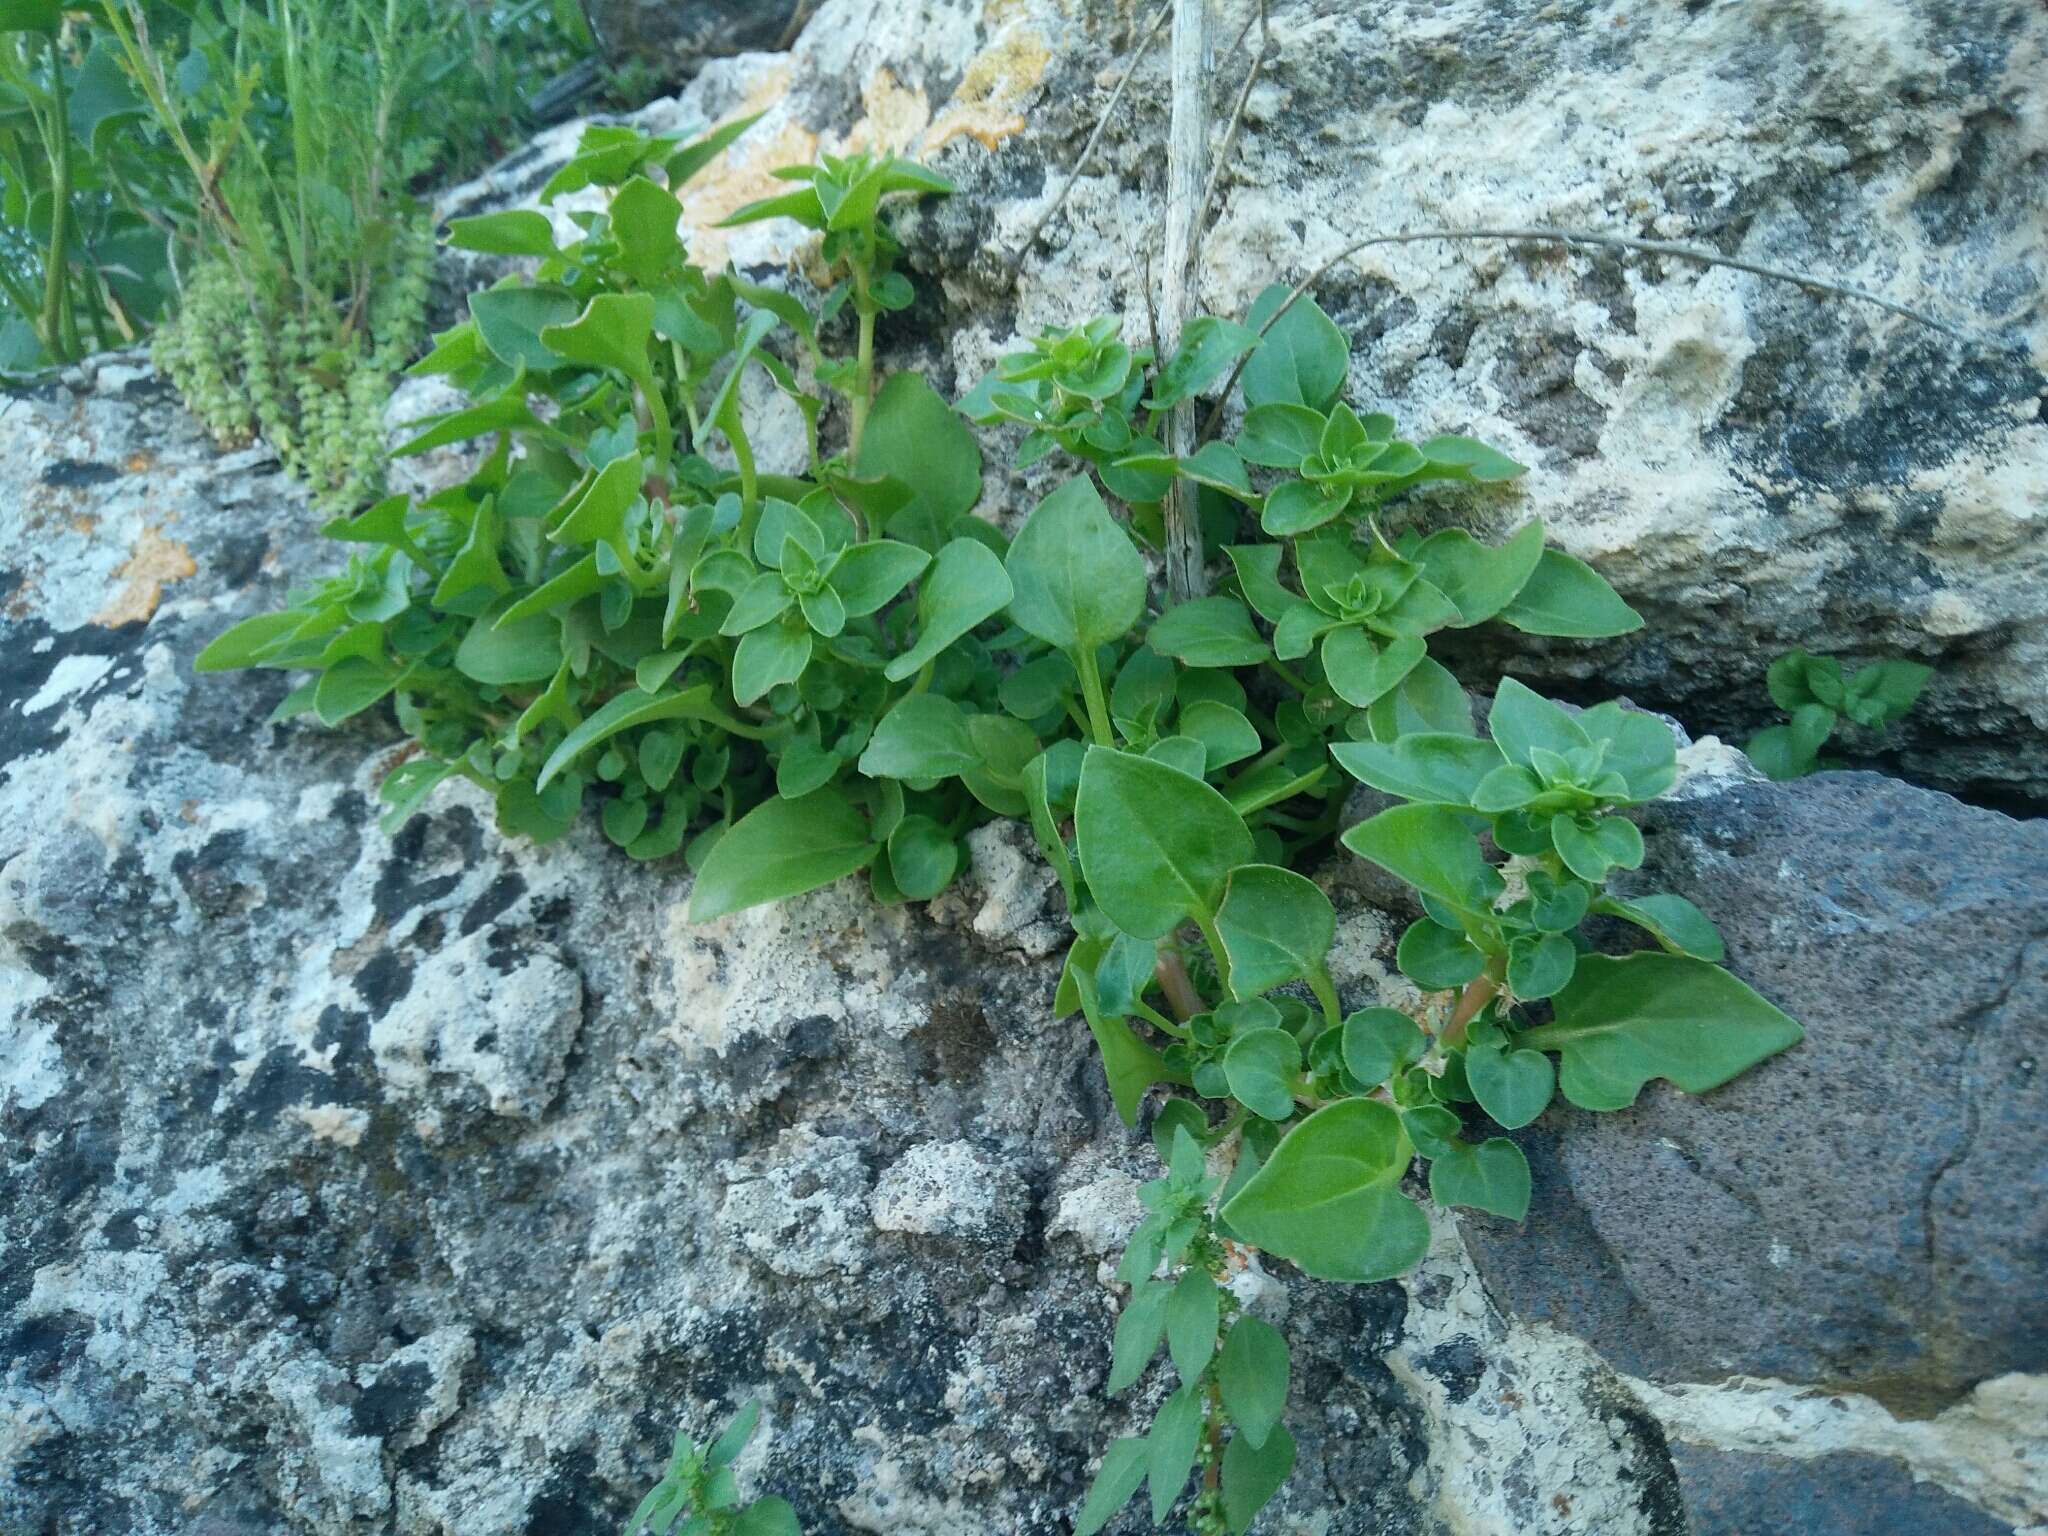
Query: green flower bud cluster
{"points": [[249, 362]]}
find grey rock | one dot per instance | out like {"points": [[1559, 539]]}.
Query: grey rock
{"points": [[670, 37], [951, 1189], [1842, 1495], [1866, 1210]]}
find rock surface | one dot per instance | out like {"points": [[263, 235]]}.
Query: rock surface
{"points": [[423, 1184], [670, 37], [1855, 1212], [1756, 468]]}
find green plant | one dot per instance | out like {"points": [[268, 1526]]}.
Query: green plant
{"points": [[83, 255], [1816, 693], [300, 130], [698, 1496], [794, 678]]}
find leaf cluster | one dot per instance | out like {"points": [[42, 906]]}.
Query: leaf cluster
{"points": [[698, 1495], [1817, 694]]}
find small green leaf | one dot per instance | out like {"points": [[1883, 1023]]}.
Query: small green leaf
{"points": [[1130, 1065], [1295, 507], [725, 1450], [612, 332], [1277, 927], [1565, 596], [1478, 579], [244, 644], [1431, 849], [914, 437], [1378, 1043], [966, 584], [1362, 668], [1157, 845], [1191, 1315], [1511, 1084], [1139, 1329], [1591, 846], [694, 156], [1523, 720], [349, 687], [1492, 1177], [1674, 922], [1304, 360], [1428, 699], [925, 736], [1252, 1474], [1208, 632], [1797, 679], [1434, 768], [1252, 1373], [1437, 958], [1079, 581], [622, 713], [1258, 577], [1466, 458], [1280, 435], [502, 655], [644, 221], [781, 848], [1638, 746], [771, 1515], [1539, 964], [1170, 1448], [1123, 1469], [923, 857], [1263, 1068], [509, 322], [1208, 346], [1226, 736], [514, 232], [869, 575], [768, 657], [1622, 1022], [1329, 1198]]}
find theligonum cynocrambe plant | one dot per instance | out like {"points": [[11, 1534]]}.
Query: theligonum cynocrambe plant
{"points": [[793, 678], [1817, 694]]}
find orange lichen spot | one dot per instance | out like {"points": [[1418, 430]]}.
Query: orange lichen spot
{"points": [[137, 462], [985, 107], [741, 174], [896, 115], [154, 561]]}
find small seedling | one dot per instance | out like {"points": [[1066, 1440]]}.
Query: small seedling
{"points": [[1816, 693]]}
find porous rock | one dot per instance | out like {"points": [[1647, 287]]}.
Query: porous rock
{"points": [[1863, 1211]]}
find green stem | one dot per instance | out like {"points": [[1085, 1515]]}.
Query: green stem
{"points": [[1217, 953], [750, 490], [1287, 675], [1159, 1020], [864, 364], [1091, 688], [56, 267], [1326, 994], [659, 422], [923, 679], [725, 722]]}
